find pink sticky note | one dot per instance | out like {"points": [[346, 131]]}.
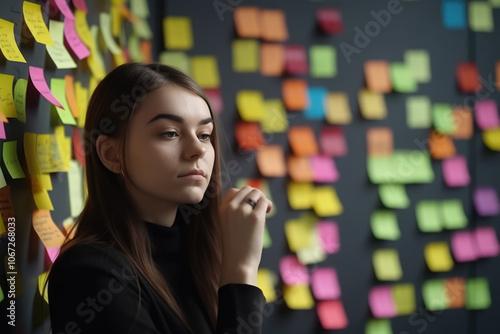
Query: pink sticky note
{"points": [[2, 130], [80, 4], [332, 141], [324, 169], [38, 79], [75, 43], [463, 246], [325, 283], [296, 59], [64, 8], [455, 171], [292, 271], [486, 241], [486, 201], [329, 239], [487, 114], [381, 302], [53, 253], [215, 98], [331, 314]]}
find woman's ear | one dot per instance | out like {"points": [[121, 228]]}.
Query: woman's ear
{"points": [[108, 151]]}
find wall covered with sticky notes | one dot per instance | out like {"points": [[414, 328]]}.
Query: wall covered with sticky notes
{"points": [[373, 126]]}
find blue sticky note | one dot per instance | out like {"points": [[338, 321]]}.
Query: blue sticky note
{"points": [[317, 100], [454, 15]]}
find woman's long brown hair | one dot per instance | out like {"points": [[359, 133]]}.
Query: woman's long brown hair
{"points": [[109, 215]]}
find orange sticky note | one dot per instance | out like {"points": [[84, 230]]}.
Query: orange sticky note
{"points": [[295, 94], [379, 141], [146, 48], [273, 25], [246, 22], [70, 95], [249, 135], [455, 290], [463, 122], [46, 229], [302, 140], [272, 59], [299, 169], [377, 76], [271, 161], [441, 146], [468, 77]]}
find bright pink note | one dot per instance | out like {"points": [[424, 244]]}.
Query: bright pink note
{"points": [[75, 43], [325, 284], [455, 171], [38, 79], [64, 8], [324, 169], [53, 253], [331, 314], [486, 241], [487, 114], [463, 246], [2, 130], [381, 302], [328, 232], [292, 271]]}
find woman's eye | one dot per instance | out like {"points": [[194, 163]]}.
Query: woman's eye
{"points": [[205, 136], [169, 134]]}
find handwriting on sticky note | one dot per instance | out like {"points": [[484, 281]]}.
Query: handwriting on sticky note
{"points": [[46, 229], [7, 105], [34, 20], [58, 53], [8, 43], [11, 161]]}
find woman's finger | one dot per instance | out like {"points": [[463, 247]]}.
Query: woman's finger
{"points": [[241, 195]]}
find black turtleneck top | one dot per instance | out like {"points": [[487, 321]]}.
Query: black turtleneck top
{"points": [[93, 289]]}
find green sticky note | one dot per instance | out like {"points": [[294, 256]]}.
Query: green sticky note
{"points": [[402, 78], [453, 214], [403, 166], [20, 99], [139, 8], [443, 118], [267, 238], [323, 60], [378, 326], [434, 294], [177, 59], [134, 48], [480, 16], [245, 55], [477, 294], [419, 64], [58, 88], [1, 292], [494, 3], [275, 118], [404, 298], [384, 225], [11, 161], [386, 264], [428, 216], [418, 112], [393, 196], [141, 29]]}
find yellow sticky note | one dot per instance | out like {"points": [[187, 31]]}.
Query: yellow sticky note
{"points": [[438, 257], [95, 60], [404, 298], [42, 200], [298, 297], [20, 99], [8, 43], [326, 202], [491, 138], [250, 104], [177, 59], [205, 71], [11, 161], [177, 33], [2, 231], [34, 20], [42, 278], [265, 281], [299, 234], [300, 195], [7, 106], [386, 264], [58, 88], [274, 117], [338, 110], [64, 144], [372, 105], [312, 254], [82, 29], [245, 55], [58, 53]]}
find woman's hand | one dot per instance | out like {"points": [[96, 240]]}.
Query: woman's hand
{"points": [[242, 228]]}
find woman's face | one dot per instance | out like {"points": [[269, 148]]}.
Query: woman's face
{"points": [[170, 155]]}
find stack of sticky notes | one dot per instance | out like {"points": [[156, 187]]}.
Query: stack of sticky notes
{"points": [[388, 301]]}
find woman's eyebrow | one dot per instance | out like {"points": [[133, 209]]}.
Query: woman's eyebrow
{"points": [[178, 119]]}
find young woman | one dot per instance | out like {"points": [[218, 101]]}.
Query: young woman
{"points": [[157, 248]]}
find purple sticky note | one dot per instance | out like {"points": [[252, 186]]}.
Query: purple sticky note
{"points": [[2, 130], [463, 246], [324, 169], [487, 114], [38, 79], [486, 201], [328, 232], [455, 171], [75, 43], [325, 283], [64, 8], [381, 302], [292, 271], [486, 241], [53, 252], [333, 141]]}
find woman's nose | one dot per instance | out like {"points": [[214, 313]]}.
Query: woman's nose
{"points": [[195, 149]]}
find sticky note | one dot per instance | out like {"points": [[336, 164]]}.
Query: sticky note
{"points": [[177, 33], [7, 106], [80, 4], [71, 96], [326, 202], [74, 41], [418, 112], [58, 53], [298, 297], [380, 141], [438, 257], [247, 21], [142, 29], [248, 135], [215, 98], [250, 104], [245, 53], [323, 59], [316, 108], [441, 146], [393, 196], [299, 234], [81, 94], [38, 79], [8, 44], [404, 298], [313, 254], [332, 141], [295, 94], [1, 291], [428, 216], [20, 99], [325, 284], [443, 119], [2, 130], [384, 225], [338, 110], [434, 295], [266, 281], [105, 25], [177, 59], [296, 60], [46, 229], [386, 264], [58, 87], [480, 16], [271, 161], [42, 278], [463, 246], [300, 195], [487, 114], [273, 25], [468, 77], [11, 161], [324, 169], [418, 62], [75, 184], [381, 302], [477, 293], [455, 289], [205, 71], [387, 169], [491, 139], [402, 78], [453, 14], [331, 314], [272, 59], [302, 140], [455, 171], [275, 118], [299, 168], [486, 241], [34, 20], [328, 233], [378, 326], [377, 76], [330, 20], [292, 271], [464, 125], [372, 105], [453, 214], [64, 8]]}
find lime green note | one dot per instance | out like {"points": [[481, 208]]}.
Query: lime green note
{"points": [[477, 294], [139, 8], [177, 59], [384, 225], [134, 48], [20, 99], [142, 30], [453, 214], [419, 64], [11, 161], [274, 117], [402, 166], [205, 71], [393, 196], [434, 294], [3, 183], [480, 16], [323, 61], [386, 264], [494, 3], [428, 216], [404, 298], [378, 326], [443, 118], [418, 112], [402, 78], [245, 55], [58, 88], [267, 238], [1, 291]]}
